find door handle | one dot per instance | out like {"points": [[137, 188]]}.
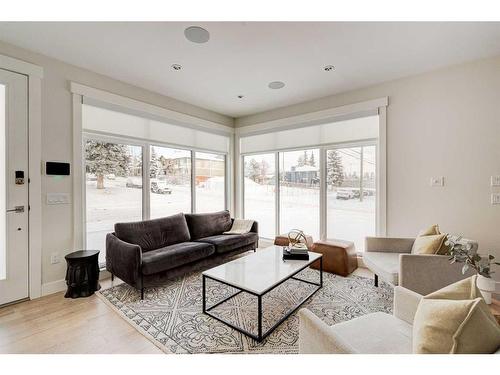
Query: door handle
{"points": [[17, 209]]}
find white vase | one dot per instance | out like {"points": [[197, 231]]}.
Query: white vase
{"points": [[487, 287]]}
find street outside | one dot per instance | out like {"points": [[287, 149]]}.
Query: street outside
{"points": [[349, 219]]}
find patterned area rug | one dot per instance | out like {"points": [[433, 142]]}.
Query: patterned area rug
{"points": [[171, 315]]}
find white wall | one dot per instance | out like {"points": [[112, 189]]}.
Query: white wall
{"points": [[442, 123], [57, 230]]}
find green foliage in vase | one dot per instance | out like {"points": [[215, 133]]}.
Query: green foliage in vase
{"points": [[464, 253]]}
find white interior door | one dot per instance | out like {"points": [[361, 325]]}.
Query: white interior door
{"points": [[13, 187]]}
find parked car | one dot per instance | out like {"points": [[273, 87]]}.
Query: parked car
{"points": [[345, 194], [159, 188], [134, 182], [91, 177]]}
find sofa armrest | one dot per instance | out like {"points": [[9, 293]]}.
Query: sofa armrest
{"points": [[405, 304], [124, 260], [389, 245], [316, 337], [255, 227], [425, 274]]}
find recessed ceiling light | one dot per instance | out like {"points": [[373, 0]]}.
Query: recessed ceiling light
{"points": [[276, 85], [197, 34], [329, 68], [241, 96], [176, 67]]}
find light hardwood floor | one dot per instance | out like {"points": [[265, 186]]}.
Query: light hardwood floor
{"points": [[54, 324]]}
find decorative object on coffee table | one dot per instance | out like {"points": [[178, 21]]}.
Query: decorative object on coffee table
{"points": [[339, 256], [283, 240], [466, 254], [82, 274]]}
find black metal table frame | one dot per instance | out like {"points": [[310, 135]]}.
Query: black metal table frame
{"points": [[260, 335]]}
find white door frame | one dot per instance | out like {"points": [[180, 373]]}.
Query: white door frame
{"points": [[35, 75]]}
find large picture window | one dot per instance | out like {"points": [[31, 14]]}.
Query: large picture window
{"points": [[299, 186], [326, 185], [351, 193], [259, 192], [113, 187], [170, 181], [210, 182], [137, 167]]}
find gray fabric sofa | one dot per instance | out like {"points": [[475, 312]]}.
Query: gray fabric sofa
{"points": [[145, 252]]}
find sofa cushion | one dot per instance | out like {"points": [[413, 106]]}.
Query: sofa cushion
{"points": [[206, 225], [432, 230], [153, 234], [228, 242], [376, 333], [430, 244], [386, 265], [455, 319], [176, 255]]}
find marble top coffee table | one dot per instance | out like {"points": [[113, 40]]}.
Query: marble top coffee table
{"points": [[258, 274]]}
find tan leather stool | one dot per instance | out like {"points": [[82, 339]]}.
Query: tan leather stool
{"points": [[339, 256], [282, 240]]}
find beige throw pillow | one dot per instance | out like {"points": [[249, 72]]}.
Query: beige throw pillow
{"points": [[429, 244], [432, 230], [455, 319]]}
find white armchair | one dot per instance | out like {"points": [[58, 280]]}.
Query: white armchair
{"points": [[391, 260], [376, 333]]}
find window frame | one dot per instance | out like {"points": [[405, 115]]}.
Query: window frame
{"points": [[323, 212], [146, 191], [276, 193], [193, 177], [337, 146]]}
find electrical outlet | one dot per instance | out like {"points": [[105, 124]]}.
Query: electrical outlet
{"points": [[495, 198], [437, 181], [54, 258], [495, 180]]}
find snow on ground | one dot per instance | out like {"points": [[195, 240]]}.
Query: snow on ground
{"points": [[347, 219], [350, 219]]}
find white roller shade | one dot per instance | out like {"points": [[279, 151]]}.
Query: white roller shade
{"points": [[334, 132], [97, 119]]}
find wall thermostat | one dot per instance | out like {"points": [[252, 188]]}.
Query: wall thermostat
{"points": [[56, 168]]}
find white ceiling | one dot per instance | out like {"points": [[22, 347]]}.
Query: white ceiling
{"points": [[241, 58]]}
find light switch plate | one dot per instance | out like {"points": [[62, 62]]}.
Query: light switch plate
{"points": [[495, 198], [437, 181], [495, 180], [54, 258], [57, 198]]}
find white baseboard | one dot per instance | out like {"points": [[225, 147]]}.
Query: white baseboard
{"points": [[60, 285], [53, 287]]}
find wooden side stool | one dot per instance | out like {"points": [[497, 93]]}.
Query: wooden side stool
{"points": [[339, 256], [282, 240]]}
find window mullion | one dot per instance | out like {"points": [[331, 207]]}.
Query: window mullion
{"points": [[322, 194], [277, 192], [193, 181], [146, 191]]}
